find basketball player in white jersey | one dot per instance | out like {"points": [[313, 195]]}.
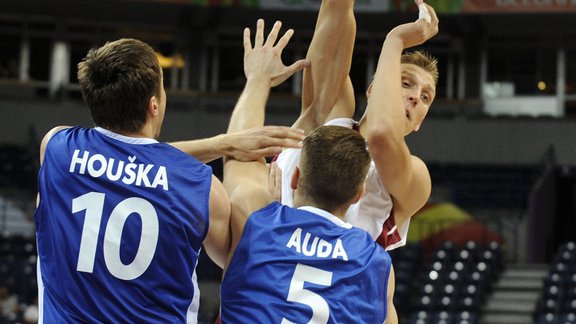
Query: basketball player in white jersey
{"points": [[398, 183]]}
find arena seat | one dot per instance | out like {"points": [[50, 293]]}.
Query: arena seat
{"points": [[421, 317], [548, 318], [557, 303], [568, 318], [465, 317], [455, 281]]}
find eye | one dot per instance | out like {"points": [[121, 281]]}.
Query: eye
{"points": [[426, 98], [405, 84]]}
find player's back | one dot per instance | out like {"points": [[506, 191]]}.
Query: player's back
{"points": [[302, 265], [120, 224]]}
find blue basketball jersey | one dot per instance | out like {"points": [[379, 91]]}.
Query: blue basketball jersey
{"points": [[304, 266], [119, 225]]}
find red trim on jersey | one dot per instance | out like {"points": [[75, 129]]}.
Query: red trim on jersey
{"points": [[389, 234]]}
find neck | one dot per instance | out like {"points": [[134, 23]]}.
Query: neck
{"points": [[302, 201], [145, 132]]}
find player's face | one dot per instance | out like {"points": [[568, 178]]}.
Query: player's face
{"points": [[418, 92]]}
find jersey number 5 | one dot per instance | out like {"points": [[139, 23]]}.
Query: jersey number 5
{"points": [[93, 204], [297, 293]]}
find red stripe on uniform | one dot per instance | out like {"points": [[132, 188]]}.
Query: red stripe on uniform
{"points": [[389, 234]]}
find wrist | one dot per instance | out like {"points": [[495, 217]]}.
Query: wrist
{"points": [[258, 81], [222, 144], [394, 40]]}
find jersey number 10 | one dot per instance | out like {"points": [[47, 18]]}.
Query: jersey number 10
{"points": [[93, 204]]}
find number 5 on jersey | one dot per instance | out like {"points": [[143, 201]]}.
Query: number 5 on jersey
{"points": [[297, 293]]}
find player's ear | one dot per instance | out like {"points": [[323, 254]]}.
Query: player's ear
{"points": [[294, 179], [153, 105]]}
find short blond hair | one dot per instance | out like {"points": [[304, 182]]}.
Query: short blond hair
{"points": [[423, 60]]}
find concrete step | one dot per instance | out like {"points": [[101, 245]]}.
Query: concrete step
{"points": [[520, 284], [506, 319], [506, 295], [509, 306], [515, 295], [525, 272]]}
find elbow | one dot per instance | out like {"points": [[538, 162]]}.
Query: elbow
{"points": [[375, 140], [382, 139], [377, 135]]}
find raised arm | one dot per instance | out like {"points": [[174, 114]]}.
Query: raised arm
{"points": [[247, 182], [327, 91], [397, 104]]}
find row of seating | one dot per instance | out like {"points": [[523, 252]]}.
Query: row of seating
{"points": [[18, 267], [18, 168], [450, 286], [557, 303]]}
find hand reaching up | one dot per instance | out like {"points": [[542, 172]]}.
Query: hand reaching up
{"points": [[263, 60], [416, 33]]}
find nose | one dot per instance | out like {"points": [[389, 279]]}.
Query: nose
{"points": [[413, 98], [414, 95]]}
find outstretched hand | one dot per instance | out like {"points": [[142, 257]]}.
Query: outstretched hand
{"points": [[263, 60], [416, 33], [256, 143]]}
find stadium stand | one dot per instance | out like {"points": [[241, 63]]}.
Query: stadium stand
{"points": [[557, 303], [448, 286]]}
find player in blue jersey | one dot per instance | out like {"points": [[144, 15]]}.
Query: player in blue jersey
{"points": [[301, 264], [121, 217]]}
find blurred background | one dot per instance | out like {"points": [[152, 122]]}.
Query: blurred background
{"points": [[499, 139]]}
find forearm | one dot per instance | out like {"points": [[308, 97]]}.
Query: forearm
{"points": [[326, 85], [206, 149], [249, 111], [386, 110]]}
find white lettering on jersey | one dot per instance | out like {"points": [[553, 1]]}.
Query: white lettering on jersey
{"points": [[316, 247], [130, 173]]}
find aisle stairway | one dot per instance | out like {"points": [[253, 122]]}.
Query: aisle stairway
{"points": [[515, 295]]}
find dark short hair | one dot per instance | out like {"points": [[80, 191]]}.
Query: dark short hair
{"points": [[117, 81], [333, 166]]}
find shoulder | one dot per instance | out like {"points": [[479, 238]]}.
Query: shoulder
{"points": [[422, 177], [53, 132], [47, 139], [274, 208]]}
